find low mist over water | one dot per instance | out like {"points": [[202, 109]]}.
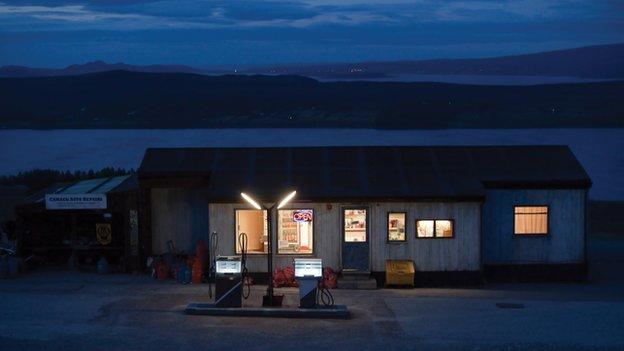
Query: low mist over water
{"points": [[599, 150]]}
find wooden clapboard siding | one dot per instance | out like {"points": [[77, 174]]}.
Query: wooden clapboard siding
{"points": [[565, 242], [178, 214], [460, 253]]}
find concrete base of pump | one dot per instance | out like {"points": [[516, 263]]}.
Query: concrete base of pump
{"points": [[207, 309]]}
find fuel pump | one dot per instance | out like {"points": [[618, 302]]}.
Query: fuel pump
{"points": [[232, 285], [309, 274], [231, 280], [228, 281]]}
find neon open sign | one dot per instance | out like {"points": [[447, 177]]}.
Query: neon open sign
{"points": [[302, 215]]}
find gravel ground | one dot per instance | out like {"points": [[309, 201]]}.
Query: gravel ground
{"points": [[57, 310]]}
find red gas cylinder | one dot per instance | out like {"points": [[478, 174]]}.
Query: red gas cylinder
{"points": [[162, 272], [197, 271], [200, 252], [189, 262]]}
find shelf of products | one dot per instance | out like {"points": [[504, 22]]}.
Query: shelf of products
{"points": [[355, 225], [294, 237], [396, 226]]}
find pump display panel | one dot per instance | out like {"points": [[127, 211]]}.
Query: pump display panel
{"points": [[228, 265], [308, 267]]}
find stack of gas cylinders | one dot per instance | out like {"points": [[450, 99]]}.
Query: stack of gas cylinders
{"points": [[185, 270]]}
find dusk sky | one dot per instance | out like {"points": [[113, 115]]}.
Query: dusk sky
{"points": [[57, 33]]}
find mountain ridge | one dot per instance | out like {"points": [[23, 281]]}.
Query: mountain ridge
{"points": [[121, 99], [15, 71], [595, 61]]}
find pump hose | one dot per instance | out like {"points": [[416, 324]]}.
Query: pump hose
{"points": [[323, 295], [214, 243], [242, 242]]}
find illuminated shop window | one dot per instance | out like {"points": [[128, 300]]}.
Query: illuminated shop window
{"points": [[396, 226], [355, 228], [252, 223], [295, 231], [531, 220], [434, 228]]}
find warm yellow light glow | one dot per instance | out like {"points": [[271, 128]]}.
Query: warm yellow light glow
{"points": [[251, 201], [530, 220], [286, 199]]}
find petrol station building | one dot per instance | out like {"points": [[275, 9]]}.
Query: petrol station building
{"points": [[460, 213]]}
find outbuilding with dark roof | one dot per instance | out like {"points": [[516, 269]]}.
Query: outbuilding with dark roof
{"points": [[83, 220]]}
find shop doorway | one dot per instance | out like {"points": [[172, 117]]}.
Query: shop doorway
{"points": [[355, 239]]}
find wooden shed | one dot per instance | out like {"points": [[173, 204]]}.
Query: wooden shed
{"points": [[446, 208], [87, 219]]}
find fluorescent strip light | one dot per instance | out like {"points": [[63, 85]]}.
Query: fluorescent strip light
{"points": [[251, 201], [286, 199]]}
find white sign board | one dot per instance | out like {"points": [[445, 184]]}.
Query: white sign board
{"points": [[228, 266], [308, 267], [75, 201]]}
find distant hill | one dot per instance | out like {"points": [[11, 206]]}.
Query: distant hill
{"points": [[121, 99], [91, 67], [590, 62], [599, 61]]}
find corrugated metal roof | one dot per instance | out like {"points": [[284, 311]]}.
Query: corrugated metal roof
{"points": [[39, 196], [95, 186], [367, 172], [83, 186], [109, 184], [130, 183]]}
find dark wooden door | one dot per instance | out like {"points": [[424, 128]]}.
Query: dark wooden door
{"points": [[355, 239]]}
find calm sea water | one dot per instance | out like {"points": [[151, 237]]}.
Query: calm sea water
{"points": [[470, 79], [599, 150]]}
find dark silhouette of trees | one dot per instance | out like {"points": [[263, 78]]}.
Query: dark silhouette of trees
{"points": [[38, 179]]}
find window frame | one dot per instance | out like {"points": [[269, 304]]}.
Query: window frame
{"points": [[434, 228], [388, 228], [531, 235], [343, 227], [277, 232], [236, 231]]}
